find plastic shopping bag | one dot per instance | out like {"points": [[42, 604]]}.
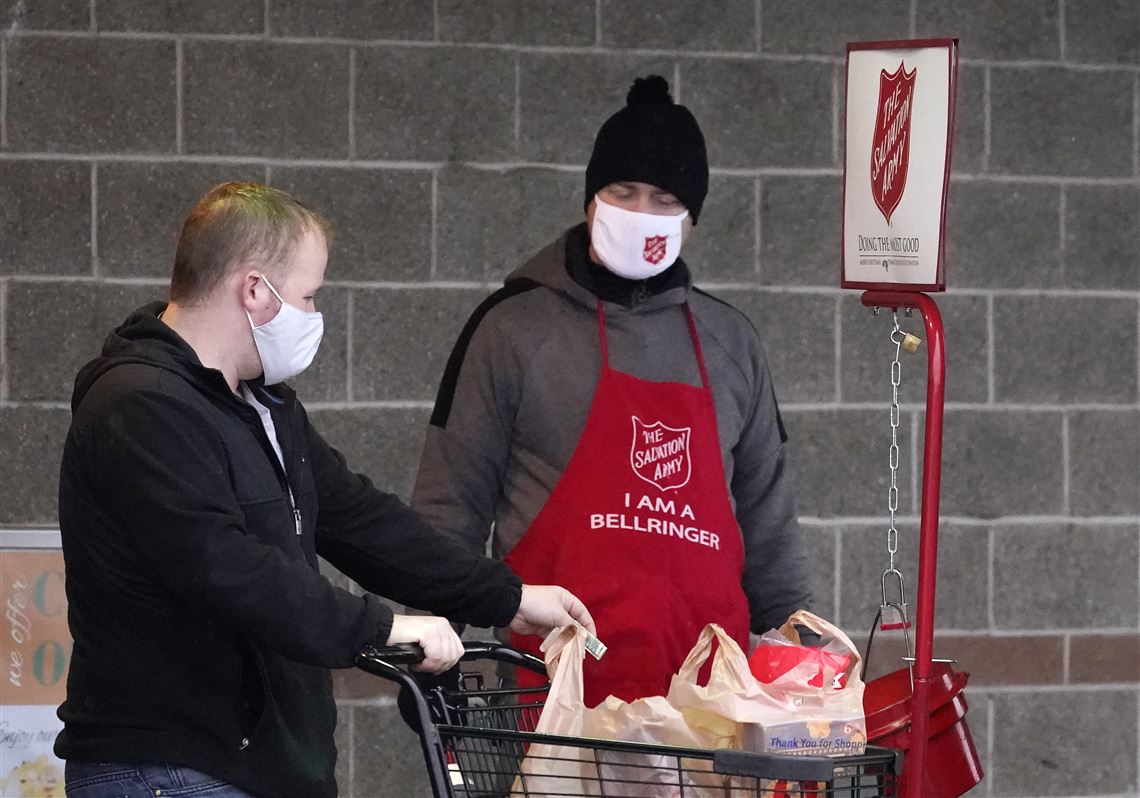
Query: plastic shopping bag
{"points": [[574, 770], [790, 714], [779, 650]]}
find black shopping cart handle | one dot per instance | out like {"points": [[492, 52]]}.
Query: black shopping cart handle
{"points": [[808, 768], [380, 660]]}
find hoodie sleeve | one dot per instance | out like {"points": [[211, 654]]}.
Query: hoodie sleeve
{"points": [[164, 478], [763, 486], [467, 447], [389, 549]]}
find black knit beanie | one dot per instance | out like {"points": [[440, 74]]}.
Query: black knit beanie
{"points": [[652, 140]]}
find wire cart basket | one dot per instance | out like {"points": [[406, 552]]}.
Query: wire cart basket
{"points": [[475, 740]]}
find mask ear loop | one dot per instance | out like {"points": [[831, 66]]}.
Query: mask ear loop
{"points": [[268, 285]]}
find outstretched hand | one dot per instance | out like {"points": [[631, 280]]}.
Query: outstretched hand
{"points": [[546, 607]]}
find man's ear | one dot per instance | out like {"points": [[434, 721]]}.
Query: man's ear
{"points": [[250, 287]]}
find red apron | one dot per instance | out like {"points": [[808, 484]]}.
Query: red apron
{"points": [[640, 527]]}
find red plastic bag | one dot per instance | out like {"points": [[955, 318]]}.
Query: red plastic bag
{"points": [[773, 657]]}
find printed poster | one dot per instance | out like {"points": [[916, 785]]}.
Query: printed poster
{"points": [[35, 649], [899, 131]]}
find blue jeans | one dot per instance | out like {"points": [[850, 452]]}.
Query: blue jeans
{"points": [[121, 780]]}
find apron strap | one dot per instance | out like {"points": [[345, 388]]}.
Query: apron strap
{"points": [[697, 346], [692, 335], [602, 337]]}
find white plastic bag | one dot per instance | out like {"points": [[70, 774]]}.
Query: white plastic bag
{"points": [[571, 770], [787, 715]]}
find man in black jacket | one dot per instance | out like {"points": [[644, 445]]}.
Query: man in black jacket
{"points": [[195, 498]]}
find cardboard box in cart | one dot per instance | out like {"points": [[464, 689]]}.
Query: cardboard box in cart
{"points": [[808, 738]]}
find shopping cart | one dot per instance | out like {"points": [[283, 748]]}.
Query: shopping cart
{"points": [[475, 739]]}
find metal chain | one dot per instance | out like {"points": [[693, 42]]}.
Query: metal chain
{"points": [[893, 492]]}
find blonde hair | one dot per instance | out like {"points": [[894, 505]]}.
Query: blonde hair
{"points": [[233, 223]]}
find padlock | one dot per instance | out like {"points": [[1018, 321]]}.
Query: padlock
{"points": [[910, 343], [894, 616]]}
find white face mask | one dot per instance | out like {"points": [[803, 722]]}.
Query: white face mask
{"points": [[288, 342], [635, 245]]}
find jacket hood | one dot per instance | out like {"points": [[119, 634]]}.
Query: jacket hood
{"points": [[553, 266], [144, 339]]}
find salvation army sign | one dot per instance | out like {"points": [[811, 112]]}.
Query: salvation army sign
{"points": [[899, 126], [654, 249], [890, 149], [660, 454]]}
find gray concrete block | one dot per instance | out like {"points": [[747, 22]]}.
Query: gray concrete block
{"points": [[352, 19], [490, 222], [800, 228], [343, 741], [1064, 743], [384, 444], [381, 219], [402, 339], [142, 207], [1105, 31], [181, 16], [389, 760], [91, 95], [565, 97], [679, 25], [969, 146], [1104, 462], [797, 331], [722, 247], [1102, 237], [840, 458], [31, 445], [867, 351], [435, 104], [242, 98], [1079, 122], [45, 217], [47, 15], [962, 600], [1044, 350], [54, 328], [997, 463], [820, 542], [550, 202], [533, 22], [326, 378], [1003, 235], [824, 27], [993, 28], [762, 113]]}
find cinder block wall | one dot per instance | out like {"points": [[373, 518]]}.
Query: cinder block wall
{"points": [[447, 139]]}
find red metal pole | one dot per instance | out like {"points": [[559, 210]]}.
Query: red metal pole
{"points": [[915, 767]]}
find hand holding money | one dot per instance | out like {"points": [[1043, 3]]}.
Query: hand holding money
{"points": [[546, 607]]}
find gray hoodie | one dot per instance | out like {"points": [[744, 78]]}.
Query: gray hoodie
{"points": [[518, 386]]}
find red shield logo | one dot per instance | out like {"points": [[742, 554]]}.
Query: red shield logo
{"points": [[660, 454], [654, 249], [890, 146]]}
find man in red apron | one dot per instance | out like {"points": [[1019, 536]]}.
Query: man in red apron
{"points": [[616, 428]]}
